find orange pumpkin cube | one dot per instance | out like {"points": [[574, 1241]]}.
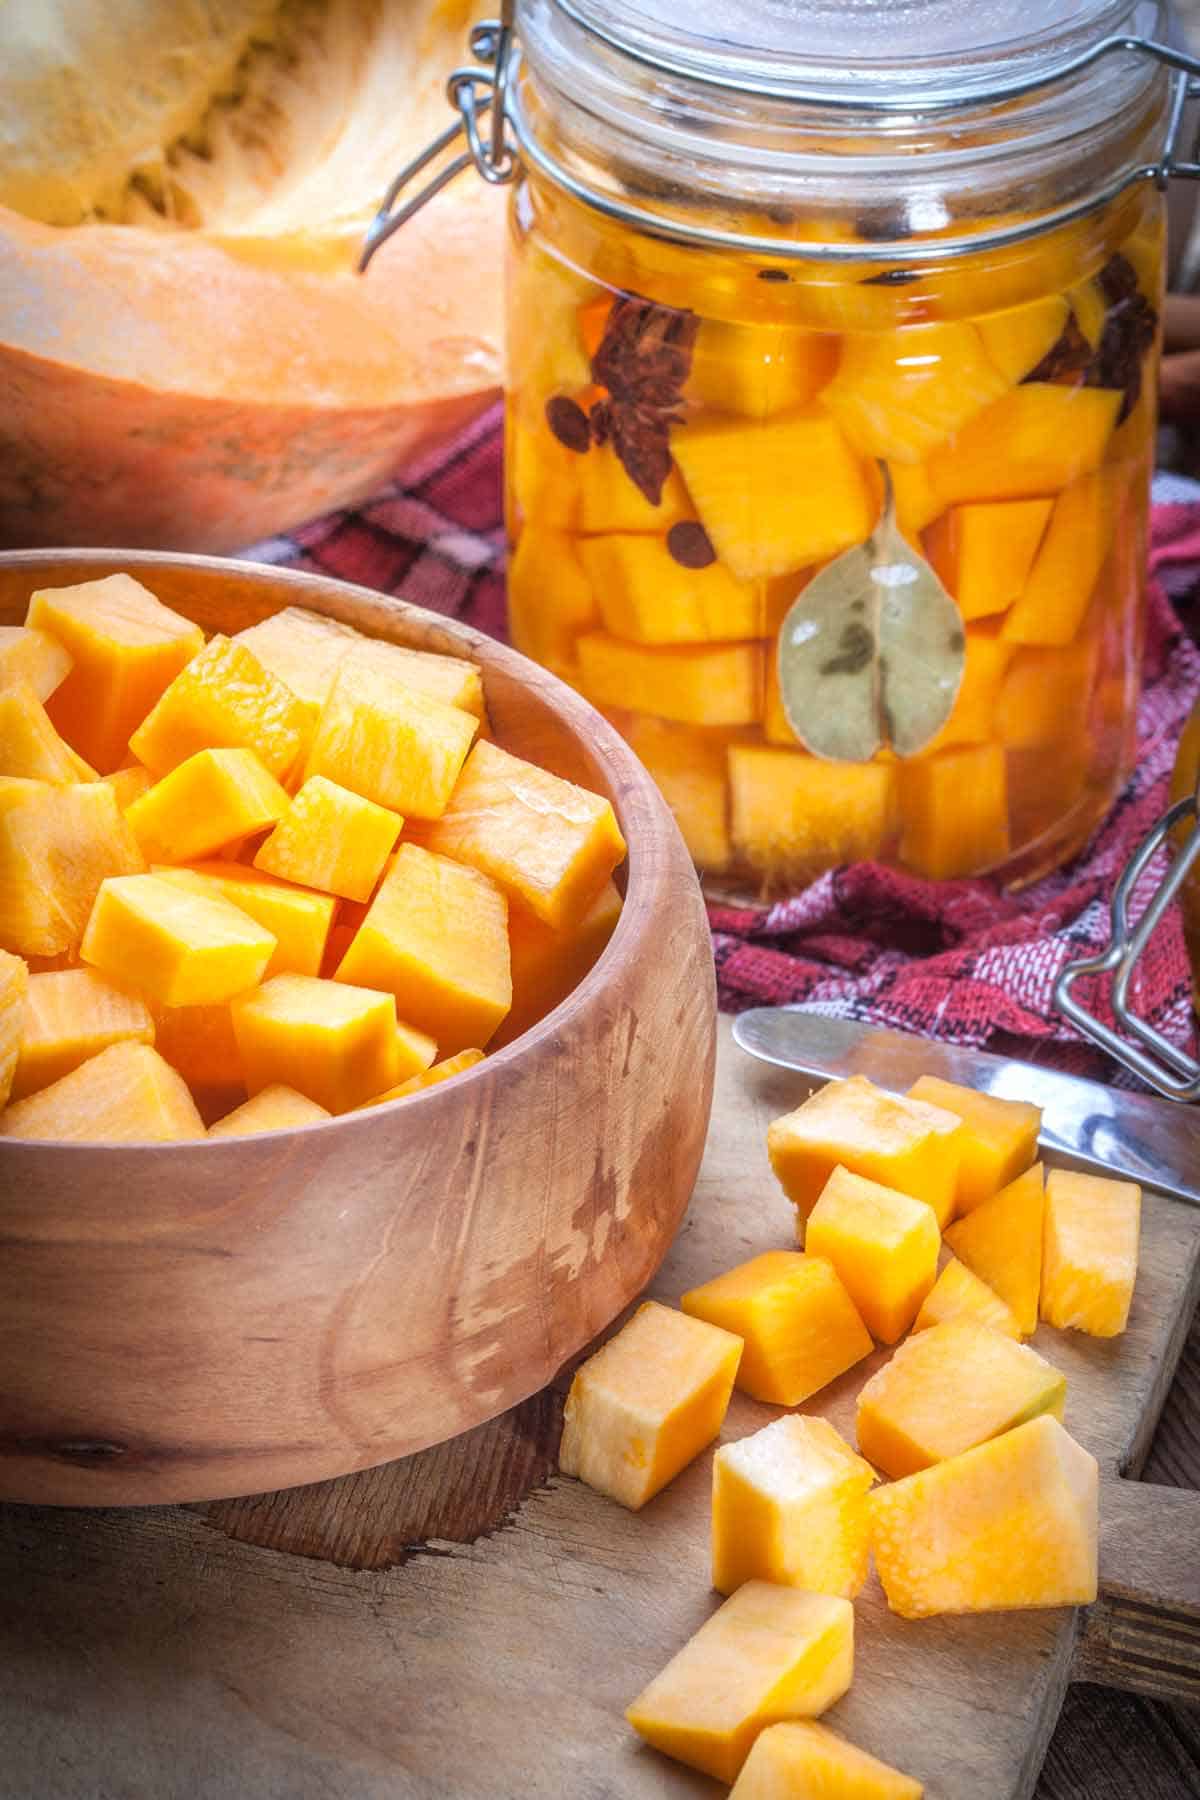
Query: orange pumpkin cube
{"points": [[899, 394], [275, 1108], [1046, 696], [648, 597], [903, 1143], [799, 1326], [333, 1043], [1017, 338], [198, 1041], [299, 921], [959, 1294], [609, 501], [694, 684], [1009, 1524], [973, 719], [129, 784], [547, 964], [883, 1244], [789, 1505], [954, 811], [983, 552], [70, 1015], [302, 649], [178, 948], [1068, 563], [29, 745], [1001, 1241], [999, 1136], [543, 557], [800, 1757], [331, 839], [223, 700], [389, 742], [453, 680], [544, 841], [1035, 440], [946, 1390], [443, 1071], [792, 813], [126, 1094], [57, 844], [125, 648], [33, 656], [690, 770], [436, 937], [213, 799], [1089, 1252], [14, 985]]}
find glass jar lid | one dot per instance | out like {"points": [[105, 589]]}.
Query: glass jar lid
{"points": [[925, 54]]}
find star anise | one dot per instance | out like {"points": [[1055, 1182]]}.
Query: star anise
{"points": [[642, 361], [1067, 359], [1129, 329]]}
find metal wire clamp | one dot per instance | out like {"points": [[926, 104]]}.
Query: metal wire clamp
{"points": [[1144, 1051]]}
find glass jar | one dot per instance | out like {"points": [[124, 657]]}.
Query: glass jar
{"points": [[761, 297]]}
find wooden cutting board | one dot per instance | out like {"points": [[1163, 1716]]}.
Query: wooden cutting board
{"points": [[193, 1652]]}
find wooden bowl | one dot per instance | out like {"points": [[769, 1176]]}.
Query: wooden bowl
{"points": [[191, 1321]]}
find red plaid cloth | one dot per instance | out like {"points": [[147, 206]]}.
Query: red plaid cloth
{"points": [[958, 960]]}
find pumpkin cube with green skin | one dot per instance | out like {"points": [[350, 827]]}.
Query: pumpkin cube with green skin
{"points": [[331, 839], [954, 811], [999, 1139], [902, 1143], [548, 843], [1090, 1252], [792, 814], [789, 1505], [646, 595], [176, 948], [223, 700], [693, 684], [899, 394], [1008, 1525], [799, 1325], [800, 1760], [883, 1244], [983, 552], [1000, 1240], [777, 495], [389, 742], [436, 937], [71, 1015], [33, 656], [947, 1389], [276, 1108], [959, 1294], [689, 768], [14, 985], [647, 1402], [333, 1043], [125, 649], [213, 799], [299, 921], [29, 745], [770, 1653], [57, 845], [126, 1094]]}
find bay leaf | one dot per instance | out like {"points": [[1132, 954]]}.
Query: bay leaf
{"points": [[871, 652]]}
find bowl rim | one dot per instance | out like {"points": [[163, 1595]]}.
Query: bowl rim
{"points": [[632, 784]]}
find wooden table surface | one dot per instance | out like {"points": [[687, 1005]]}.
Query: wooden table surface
{"points": [[387, 1635]]}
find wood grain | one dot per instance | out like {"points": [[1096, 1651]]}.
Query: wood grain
{"points": [[150, 1654], [191, 1321]]}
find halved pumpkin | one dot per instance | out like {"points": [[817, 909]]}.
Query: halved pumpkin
{"points": [[237, 375]]}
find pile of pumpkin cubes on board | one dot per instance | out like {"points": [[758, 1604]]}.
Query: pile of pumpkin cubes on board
{"points": [[989, 1505], [264, 879]]}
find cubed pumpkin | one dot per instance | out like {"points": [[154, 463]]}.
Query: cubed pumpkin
{"points": [[276, 1108], [959, 1294], [983, 552], [175, 947], [57, 845], [770, 1653], [1001, 1241], [789, 1505], [14, 985], [125, 648], [899, 394], [800, 1760], [800, 1327], [223, 700], [442, 1071], [999, 1140], [690, 769], [645, 594], [545, 561], [1035, 440], [436, 936], [1068, 563], [792, 814], [954, 811], [1090, 1252], [126, 1094], [883, 1244], [300, 921], [331, 839], [546, 842], [1017, 338], [389, 742], [547, 965], [29, 745], [647, 1402], [213, 799], [694, 684], [334, 1043], [70, 1015], [302, 649], [198, 1041], [453, 680], [33, 656]]}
